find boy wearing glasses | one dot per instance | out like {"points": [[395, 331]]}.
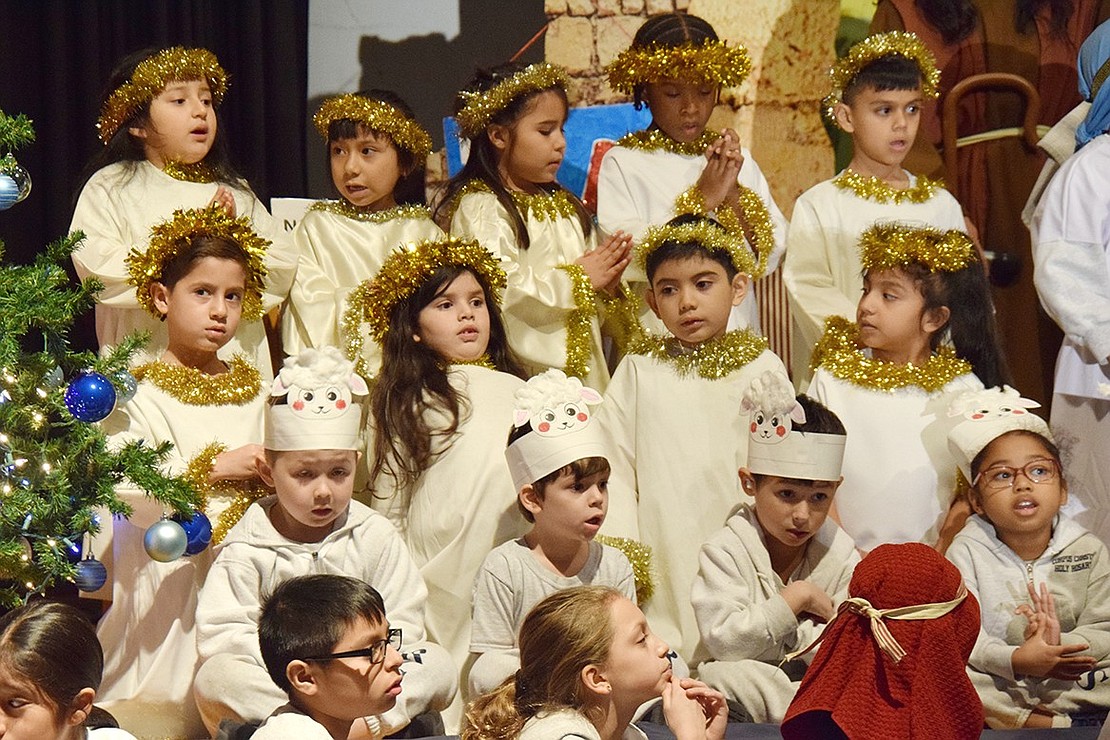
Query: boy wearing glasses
{"points": [[326, 643], [1042, 580], [309, 526]]}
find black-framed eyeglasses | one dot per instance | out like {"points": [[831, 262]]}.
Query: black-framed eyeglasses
{"points": [[376, 651], [1003, 476]]}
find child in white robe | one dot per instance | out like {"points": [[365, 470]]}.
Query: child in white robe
{"points": [[376, 152], [563, 282], [878, 90], [163, 152], [200, 273]]}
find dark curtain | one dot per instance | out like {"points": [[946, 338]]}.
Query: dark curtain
{"points": [[55, 58]]}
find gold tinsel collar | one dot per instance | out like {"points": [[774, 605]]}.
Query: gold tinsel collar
{"points": [[888, 245], [483, 361], [197, 172], [876, 190], [653, 139], [345, 209], [713, 62], [407, 268], [840, 352], [703, 232], [713, 359], [151, 77], [240, 385], [483, 105], [377, 116], [549, 205], [170, 237], [877, 46]]}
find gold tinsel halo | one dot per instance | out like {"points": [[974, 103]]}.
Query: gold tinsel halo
{"points": [[713, 62], [151, 77], [377, 116], [703, 232], [482, 105], [840, 352], [168, 238], [408, 267], [877, 46], [888, 245]]}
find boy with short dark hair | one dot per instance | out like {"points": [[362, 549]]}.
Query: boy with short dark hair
{"points": [[310, 525], [771, 579], [674, 437], [556, 454], [878, 90], [326, 643]]}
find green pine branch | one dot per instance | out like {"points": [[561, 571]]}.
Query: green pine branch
{"points": [[15, 132]]}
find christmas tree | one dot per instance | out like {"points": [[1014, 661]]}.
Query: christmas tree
{"points": [[56, 469]]}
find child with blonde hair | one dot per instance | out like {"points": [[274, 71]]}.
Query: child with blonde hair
{"points": [[563, 281], [376, 151], [163, 151], [588, 661]]}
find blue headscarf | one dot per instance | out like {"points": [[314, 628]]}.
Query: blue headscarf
{"points": [[1094, 56]]}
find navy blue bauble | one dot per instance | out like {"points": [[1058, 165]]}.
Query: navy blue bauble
{"points": [[90, 397], [198, 530], [91, 574]]}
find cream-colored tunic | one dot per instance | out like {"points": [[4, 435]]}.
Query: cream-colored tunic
{"points": [[637, 188], [463, 506], [149, 633], [539, 301], [676, 443], [116, 210], [339, 248], [822, 268]]}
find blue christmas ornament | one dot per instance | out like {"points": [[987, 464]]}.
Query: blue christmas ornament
{"points": [[165, 541], [73, 549], [126, 385], [91, 574], [15, 185], [90, 397], [198, 530]]}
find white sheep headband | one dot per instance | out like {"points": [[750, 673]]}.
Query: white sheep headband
{"points": [[319, 413], [774, 447], [987, 415], [561, 427]]}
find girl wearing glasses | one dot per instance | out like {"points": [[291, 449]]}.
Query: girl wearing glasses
{"points": [[1043, 581]]}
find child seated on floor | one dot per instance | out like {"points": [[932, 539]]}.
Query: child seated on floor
{"points": [[1039, 661], [892, 663], [326, 642], [556, 455], [310, 526], [769, 580]]}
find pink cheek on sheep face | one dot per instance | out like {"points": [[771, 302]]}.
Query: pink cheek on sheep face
{"points": [[582, 416], [544, 426], [754, 427], [781, 431], [341, 404], [298, 405]]}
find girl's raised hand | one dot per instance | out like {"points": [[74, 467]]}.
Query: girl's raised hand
{"points": [[238, 464], [1035, 657], [1043, 612], [694, 711], [605, 264], [224, 199]]}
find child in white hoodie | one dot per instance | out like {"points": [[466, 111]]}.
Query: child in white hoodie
{"points": [[1042, 580], [310, 526]]}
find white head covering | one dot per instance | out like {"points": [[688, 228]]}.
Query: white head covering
{"points": [[561, 427], [320, 412], [774, 447], [987, 415]]}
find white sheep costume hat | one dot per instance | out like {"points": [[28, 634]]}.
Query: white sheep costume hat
{"points": [[774, 447], [562, 427], [987, 415], [320, 411]]}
